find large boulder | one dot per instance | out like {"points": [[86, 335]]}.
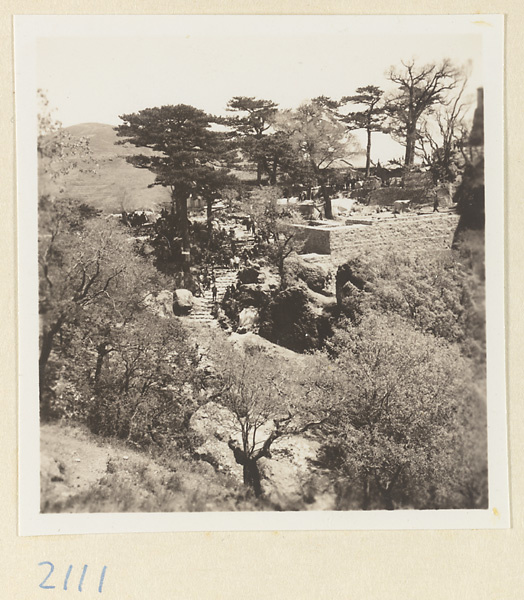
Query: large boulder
{"points": [[321, 303], [182, 302], [354, 271], [251, 295], [183, 280], [248, 275], [288, 478], [315, 276], [160, 304], [215, 425], [445, 193], [352, 280], [268, 281]]}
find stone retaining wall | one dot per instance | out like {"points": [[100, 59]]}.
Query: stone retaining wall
{"points": [[423, 231]]}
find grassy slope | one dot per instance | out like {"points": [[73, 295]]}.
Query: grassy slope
{"points": [[81, 472], [116, 184]]}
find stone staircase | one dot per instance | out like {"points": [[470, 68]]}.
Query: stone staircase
{"points": [[246, 241], [203, 305]]}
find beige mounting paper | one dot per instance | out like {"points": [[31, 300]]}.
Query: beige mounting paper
{"points": [[403, 564]]}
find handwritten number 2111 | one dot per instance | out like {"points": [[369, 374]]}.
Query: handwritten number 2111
{"points": [[68, 574]]}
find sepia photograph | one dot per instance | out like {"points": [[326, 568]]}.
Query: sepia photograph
{"points": [[261, 272]]}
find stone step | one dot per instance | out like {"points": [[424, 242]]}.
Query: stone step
{"points": [[203, 305]]}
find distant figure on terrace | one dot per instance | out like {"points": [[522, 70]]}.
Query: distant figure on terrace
{"points": [[436, 203], [214, 292]]}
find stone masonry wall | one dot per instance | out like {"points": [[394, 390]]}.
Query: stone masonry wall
{"points": [[409, 232], [317, 240]]}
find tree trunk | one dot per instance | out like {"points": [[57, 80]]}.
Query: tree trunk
{"points": [[388, 500], [273, 179], [250, 471], [387, 490], [102, 352], [411, 135], [328, 209], [209, 217], [184, 232], [282, 273], [45, 352], [368, 154], [252, 476]]}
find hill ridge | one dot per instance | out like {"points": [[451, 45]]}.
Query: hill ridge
{"points": [[115, 185]]}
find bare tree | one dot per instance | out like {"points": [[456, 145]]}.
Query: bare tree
{"points": [[269, 401], [419, 89], [443, 133]]}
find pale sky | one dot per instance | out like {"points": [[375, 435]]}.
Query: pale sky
{"points": [[95, 74]]}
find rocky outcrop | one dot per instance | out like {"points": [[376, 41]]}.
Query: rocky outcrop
{"points": [[160, 304], [215, 425], [470, 200], [351, 281], [353, 272], [290, 481], [289, 320], [315, 276], [248, 341], [182, 302]]}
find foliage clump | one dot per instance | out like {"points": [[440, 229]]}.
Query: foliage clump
{"points": [[436, 293], [410, 427]]}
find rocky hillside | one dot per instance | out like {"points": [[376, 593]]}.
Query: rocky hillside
{"points": [[82, 472], [115, 184]]}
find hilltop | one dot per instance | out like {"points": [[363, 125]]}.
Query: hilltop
{"points": [[115, 184]]}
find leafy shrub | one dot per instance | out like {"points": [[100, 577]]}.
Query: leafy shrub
{"points": [[433, 292], [410, 430]]}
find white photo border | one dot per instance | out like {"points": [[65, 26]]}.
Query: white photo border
{"points": [[28, 29]]}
